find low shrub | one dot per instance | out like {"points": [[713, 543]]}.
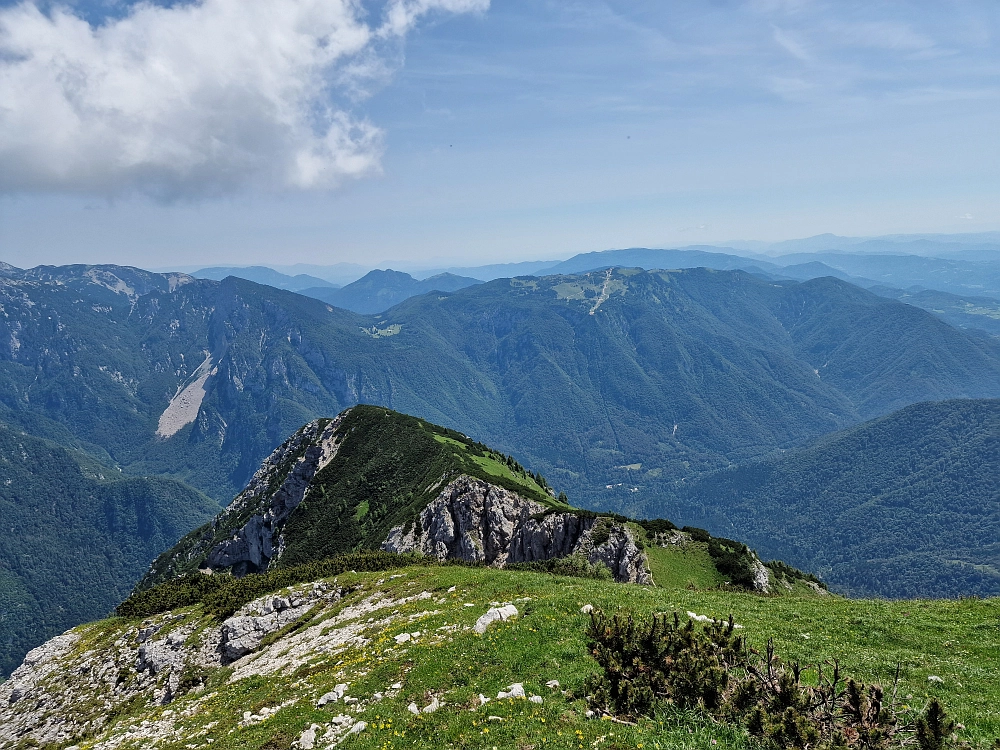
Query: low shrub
{"points": [[654, 526], [575, 565], [222, 594], [649, 664], [784, 571]]}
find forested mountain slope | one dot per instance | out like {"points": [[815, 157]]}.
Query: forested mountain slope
{"points": [[614, 384], [76, 536], [961, 311], [377, 290], [905, 505]]}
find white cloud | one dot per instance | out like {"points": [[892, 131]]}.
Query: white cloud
{"points": [[791, 45], [201, 98]]}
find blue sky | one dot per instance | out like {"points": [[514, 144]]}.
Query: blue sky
{"points": [[464, 131]]}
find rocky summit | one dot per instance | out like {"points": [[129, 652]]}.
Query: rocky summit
{"points": [[372, 478]]}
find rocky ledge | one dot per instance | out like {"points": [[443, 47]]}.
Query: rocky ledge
{"points": [[476, 521]]}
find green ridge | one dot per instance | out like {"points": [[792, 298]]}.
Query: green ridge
{"points": [[871, 639], [907, 505], [387, 469]]}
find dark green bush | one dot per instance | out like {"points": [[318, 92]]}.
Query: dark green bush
{"points": [[647, 665], [222, 594], [934, 727], [697, 535], [733, 559], [576, 566], [785, 571], [601, 532], [656, 526]]}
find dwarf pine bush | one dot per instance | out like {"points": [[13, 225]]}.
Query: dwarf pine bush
{"points": [[649, 664]]}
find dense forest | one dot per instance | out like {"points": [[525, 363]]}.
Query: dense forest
{"points": [[76, 537], [902, 506]]}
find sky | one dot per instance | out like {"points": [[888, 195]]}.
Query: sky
{"points": [[465, 132]]}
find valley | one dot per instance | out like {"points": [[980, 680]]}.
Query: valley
{"points": [[848, 434], [601, 375], [742, 366]]}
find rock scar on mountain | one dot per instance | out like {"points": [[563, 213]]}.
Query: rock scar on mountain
{"points": [[604, 293], [183, 407]]}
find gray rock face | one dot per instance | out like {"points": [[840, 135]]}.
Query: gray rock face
{"points": [[41, 700], [247, 536], [258, 541], [476, 521], [243, 634]]}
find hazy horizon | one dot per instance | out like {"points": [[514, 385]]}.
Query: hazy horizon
{"points": [[460, 132]]}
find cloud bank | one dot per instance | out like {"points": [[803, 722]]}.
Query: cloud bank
{"points": [[197, 99]]}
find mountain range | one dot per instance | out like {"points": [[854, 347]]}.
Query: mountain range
{"points": [[629, 390], [965, 274], [265, 275], [677, 372], [906, 505], [377, 290]]}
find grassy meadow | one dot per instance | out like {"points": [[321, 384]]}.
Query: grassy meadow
{"points": [[957, 641]]}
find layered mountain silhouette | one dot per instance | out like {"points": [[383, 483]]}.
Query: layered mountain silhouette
{"points": [[377, 291]]}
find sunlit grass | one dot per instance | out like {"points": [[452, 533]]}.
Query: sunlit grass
{"points": [[958, 641]]}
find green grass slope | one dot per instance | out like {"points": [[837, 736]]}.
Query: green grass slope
{"points": [[956, 641], [903, 506], [77, 536]]}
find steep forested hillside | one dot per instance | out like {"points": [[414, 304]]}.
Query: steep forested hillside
{"points": [[905, 505], [76, 536], [613, 384]]}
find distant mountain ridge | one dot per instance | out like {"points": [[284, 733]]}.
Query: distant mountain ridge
{"points": [[620, 386], [640, 367], [377, 290], [265, 275]]}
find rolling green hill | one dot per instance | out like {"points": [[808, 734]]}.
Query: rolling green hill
{"points": [[907, 505], [76, 537]]}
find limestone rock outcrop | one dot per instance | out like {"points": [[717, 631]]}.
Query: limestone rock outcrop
{"points": [[479, 522], [155, 661], [256, 516]]}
